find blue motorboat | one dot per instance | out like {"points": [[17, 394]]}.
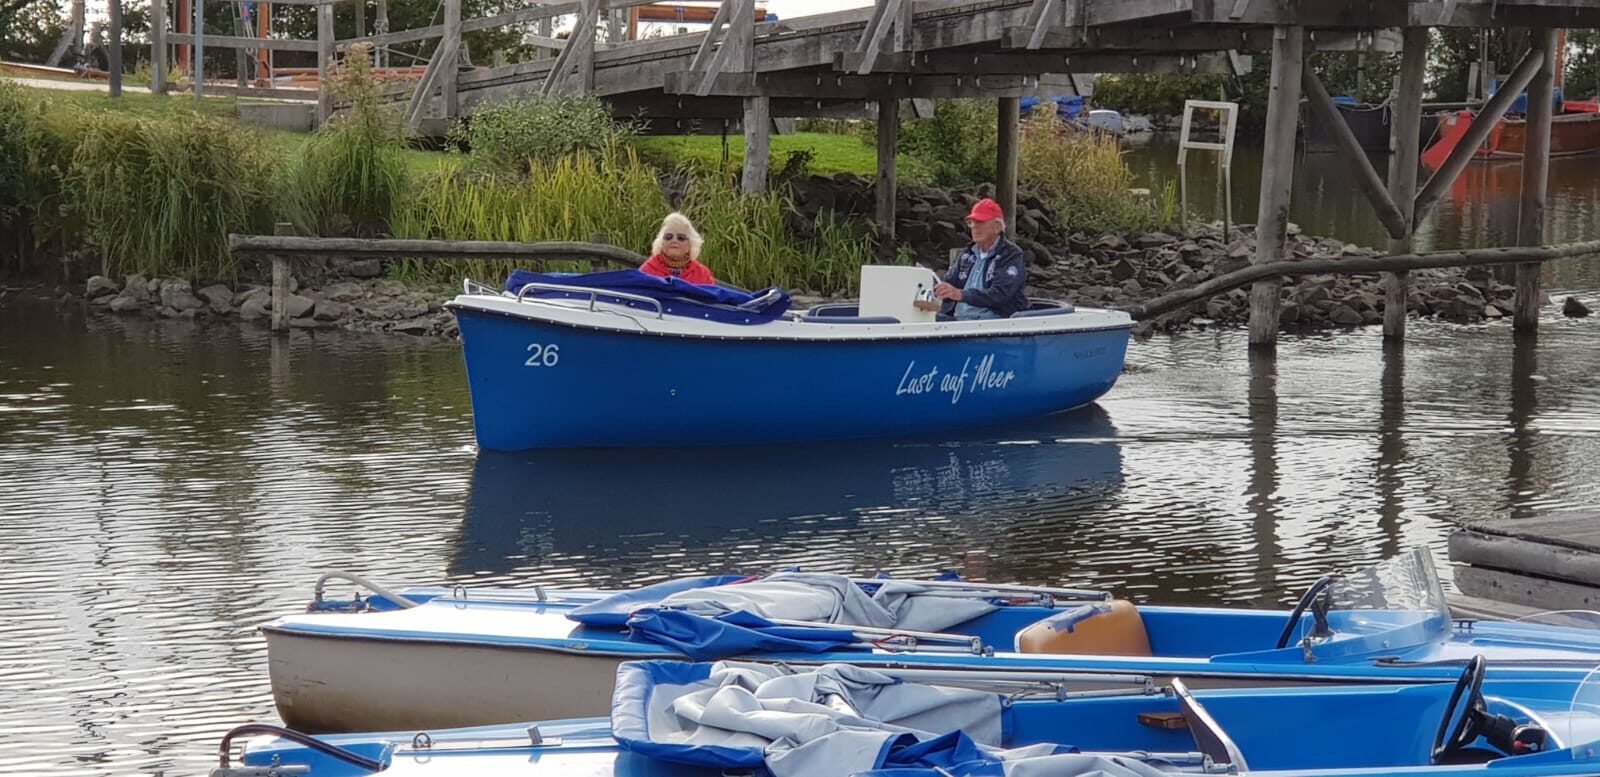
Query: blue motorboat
{"points": [[619, 359], [446, 657], [673, 719]]}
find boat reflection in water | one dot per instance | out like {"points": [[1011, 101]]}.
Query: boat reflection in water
{"points": [[653, 513]]}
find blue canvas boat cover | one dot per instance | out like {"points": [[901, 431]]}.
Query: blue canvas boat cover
{"points": [[614, 610], [677, 296], [788, 612], [833, 721]]}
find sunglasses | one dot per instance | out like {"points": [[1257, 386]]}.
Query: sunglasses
{"points": [[674, 236]]}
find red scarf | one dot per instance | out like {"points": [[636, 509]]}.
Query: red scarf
{"points": [[693, 272]]}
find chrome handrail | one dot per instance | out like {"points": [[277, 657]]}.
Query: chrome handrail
{"points": [[594, 295]]}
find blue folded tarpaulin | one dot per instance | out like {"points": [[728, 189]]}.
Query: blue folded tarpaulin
{"points": [[735, 633], [677, 296], [613, 611]]}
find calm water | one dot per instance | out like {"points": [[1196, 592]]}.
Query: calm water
{"points": [[1480, 209], [167, 487]]}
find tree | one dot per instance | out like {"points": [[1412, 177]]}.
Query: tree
{"points": [[30, 29]]}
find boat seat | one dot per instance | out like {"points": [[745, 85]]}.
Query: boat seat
{"points": [[1112, 628]]}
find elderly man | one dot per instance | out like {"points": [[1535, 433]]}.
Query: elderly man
{"points": [[988, 280]]}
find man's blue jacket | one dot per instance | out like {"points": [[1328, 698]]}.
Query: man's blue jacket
{"points": [[1005, 280]]}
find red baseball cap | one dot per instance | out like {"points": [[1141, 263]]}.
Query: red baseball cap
{"points": [[986, 210]]}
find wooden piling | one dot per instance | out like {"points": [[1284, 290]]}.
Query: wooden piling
{"points": [[449, 103], [324, 62], [1535, 179], [281, 272], [199, 48], [158, 47], [757, 143], [114, 53], [887, 181], [1277, 178], [1404, 149], [1005, 177]]}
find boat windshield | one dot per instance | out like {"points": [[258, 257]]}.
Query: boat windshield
{"points": [[1581, 729], [1393, 604]]}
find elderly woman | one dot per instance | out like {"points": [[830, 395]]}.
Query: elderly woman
{"points": [[676, 252]]}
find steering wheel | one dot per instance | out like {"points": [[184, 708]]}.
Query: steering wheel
{"points": [[1306, 600], [1466, 702]]}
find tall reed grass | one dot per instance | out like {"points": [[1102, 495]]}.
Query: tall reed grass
{"points": [[159, 195], [1083, 177], [750, 240], [568, 198], [348, 180]]}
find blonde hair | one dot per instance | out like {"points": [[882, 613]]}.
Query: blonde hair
{"points": [[677, 222]]}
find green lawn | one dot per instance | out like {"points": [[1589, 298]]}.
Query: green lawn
{"points": [[830, 153]]}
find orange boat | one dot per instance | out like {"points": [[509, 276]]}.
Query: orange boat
{"points": [[1574, 131]]}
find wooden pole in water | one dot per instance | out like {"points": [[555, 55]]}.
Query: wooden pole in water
{"points": [[1005, 178], [281, 268], [1404, 148], [324, 63], [887, 182], [158, 47], [1535, 179], [1277, 178], [114, 55]]}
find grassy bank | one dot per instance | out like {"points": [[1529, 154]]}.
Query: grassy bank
{"points": [[153, 185]]}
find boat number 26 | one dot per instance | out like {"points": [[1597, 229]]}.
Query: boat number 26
{"points": [[543, 355]]}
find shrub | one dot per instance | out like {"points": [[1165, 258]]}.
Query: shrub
{"points": [[958, 145], [750, 241], [518, 133], [1082, 175], [159, 195], [348, 179]]}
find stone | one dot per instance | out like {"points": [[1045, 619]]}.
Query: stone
{"points": [[416, 326], [176, 294], [1490, 311], [1132, 286], [1123, 270], [135, 286], [1344, 315], [256, 307], [1574, 308], [329, 310], [362, 268], [1154, 240], [344, 291], [1289, 313], [123, 303], [99, 286], [389, 288], [1112, 242], [217, 296], [306, 322], [300, 307]]}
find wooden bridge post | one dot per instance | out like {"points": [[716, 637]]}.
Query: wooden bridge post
{"points": [[888, 176], [114, 52], [324, 62], [887, 185], [757, 110], [1535, 179], [1404, 148], [198, 72], [1005, 177], [1277, 177], [451, 43], [281, 273], [158, 47]]}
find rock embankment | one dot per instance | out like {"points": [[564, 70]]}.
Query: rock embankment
{"points": [[1124, 269], [371, 304], [1099, 270]]}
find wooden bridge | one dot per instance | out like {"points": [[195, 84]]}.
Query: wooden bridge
{"points": [[739, 71]]}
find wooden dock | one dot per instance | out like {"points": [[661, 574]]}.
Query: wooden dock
{"points": [[1550, 562]]}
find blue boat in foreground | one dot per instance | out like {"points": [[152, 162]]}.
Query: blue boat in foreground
{"points": [[620, 359], [671, 719], [442, 658]]}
